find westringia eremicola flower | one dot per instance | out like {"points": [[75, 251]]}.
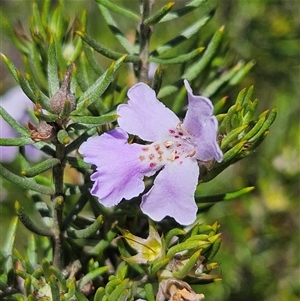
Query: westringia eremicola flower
{"points": [[172, 147]]}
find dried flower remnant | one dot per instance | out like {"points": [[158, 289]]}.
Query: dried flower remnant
{"points": [[42, 132], [176, 290], [176, 146]]}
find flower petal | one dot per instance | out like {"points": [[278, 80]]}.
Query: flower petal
{"points": [[173, 193], [200, 123], [119, 171], [144, 115]]}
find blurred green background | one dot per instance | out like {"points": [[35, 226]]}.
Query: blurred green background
{"points": [[260, 254]]}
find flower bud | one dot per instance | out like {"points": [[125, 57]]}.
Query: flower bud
{"points": [[63, 100]]}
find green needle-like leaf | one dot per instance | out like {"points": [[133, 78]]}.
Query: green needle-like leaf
{"points": [[89, 231], [155, 18], [24, 182], [189, 7], [28, 223], [194, 70], [95, 120], [106, 51], [187, 245], [99, 86], [118, 9], [269, 121], [224, 197], [54, 288], [232, 136], [15, 141], [116, 31], [183, 36], [180, 59], [8, 245], [92, 275], [53, 81], [40, 168]]}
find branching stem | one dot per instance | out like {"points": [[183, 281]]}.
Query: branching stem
{"points": [[145, 34]]}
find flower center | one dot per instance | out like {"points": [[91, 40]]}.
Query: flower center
{"points": [[177, 146]]}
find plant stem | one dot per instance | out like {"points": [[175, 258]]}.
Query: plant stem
{"points": [[58, 204], [145, 33]]}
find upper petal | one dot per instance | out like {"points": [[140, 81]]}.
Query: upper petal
{"points": [[144, 115], [200, 123], [119, 171], [173, 193]]}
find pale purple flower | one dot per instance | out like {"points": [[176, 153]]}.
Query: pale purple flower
{"points": [[173, 148], [16, 103]]}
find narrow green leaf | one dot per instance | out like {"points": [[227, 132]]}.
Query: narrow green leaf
{"points": [[159, 264], [10, 65], [233, 152], [116, 31], [54, 288], [52, 71], [94, 64], [118, 9], [269, 121], [119, 290], [256, 127], [59, 275], [100, 293], [194, 70], [172, 233], [24, 182], [78, 163], [214, 86], [31, 251], [232, 136], [39, 68], [95, 120], [43, 210], [40, 168], [28, 223], [188, 245], [80, 296], [214, 249], [162, 12], [100, 85], [114, 55], [26, 87], [183, 36], [241, 73], [180, 59], [15, 141], [21, 42], [92, 275], [225, 196], [8, 245], [89, 231], [38, 26], [40, 97], [189, 7], [149, 292], [157, 80], [45, 13]]}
